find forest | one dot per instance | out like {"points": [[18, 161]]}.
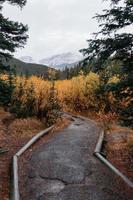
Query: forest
{"points": [[100, 87], [104, 77]]}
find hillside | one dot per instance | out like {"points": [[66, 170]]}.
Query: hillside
{"points": [[28, 68]]}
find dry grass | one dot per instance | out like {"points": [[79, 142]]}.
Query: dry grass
{"points": [[116, 127], [14, 133], [26, 126], [107, 120], [129, 147], [119, 149]]}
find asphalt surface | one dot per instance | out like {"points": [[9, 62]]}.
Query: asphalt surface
{"points": [[64, 168]]}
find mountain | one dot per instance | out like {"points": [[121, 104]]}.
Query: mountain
{"points": [[26, 66], [27, 59], [23, 68], [62, 60]]}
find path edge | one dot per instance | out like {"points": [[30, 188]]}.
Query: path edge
{"points": [[16, 193], [99, 155]]}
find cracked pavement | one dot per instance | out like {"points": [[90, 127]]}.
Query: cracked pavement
{"points": [[64, 168]]}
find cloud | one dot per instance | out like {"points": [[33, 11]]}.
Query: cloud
{"points": [[55, 26]]}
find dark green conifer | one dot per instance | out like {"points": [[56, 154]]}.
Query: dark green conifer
{"points": [[12, 35], [114, 42]]}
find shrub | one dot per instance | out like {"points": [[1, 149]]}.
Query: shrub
{"points": [[79, 92], [32, 97]]}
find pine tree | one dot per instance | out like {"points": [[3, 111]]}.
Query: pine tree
{"points": [[12, 35], [112, 43], [6, 90]]}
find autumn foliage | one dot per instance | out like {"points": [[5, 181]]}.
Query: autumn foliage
{"points": [[34, 96], [79, 92], [34, 91]]}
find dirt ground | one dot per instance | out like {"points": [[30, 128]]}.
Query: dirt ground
{"points": [[119, 149], [13, 135]]}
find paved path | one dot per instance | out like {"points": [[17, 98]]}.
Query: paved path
{"points": [[64, 168]]}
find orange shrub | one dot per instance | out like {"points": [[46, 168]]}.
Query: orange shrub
{"points": [[32, 88], [79, 92]]}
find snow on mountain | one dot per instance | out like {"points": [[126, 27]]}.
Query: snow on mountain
{"points": [[59, 61], [62, 60], [27, 59]]}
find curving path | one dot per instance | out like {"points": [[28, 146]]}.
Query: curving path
{"points": [[64, 168]]}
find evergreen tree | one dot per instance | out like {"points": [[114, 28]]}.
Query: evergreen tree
{"points": [[12, 35], [112, 43], [6, 89]]}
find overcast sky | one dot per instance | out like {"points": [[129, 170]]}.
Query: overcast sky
{"points": [[56, 26]]}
